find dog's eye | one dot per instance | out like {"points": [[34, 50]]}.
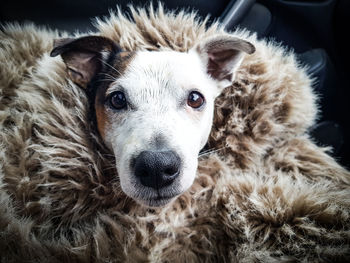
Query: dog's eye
{"points": [[118, 100], [195, 99]]}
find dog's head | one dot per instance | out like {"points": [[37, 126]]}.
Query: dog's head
{"points": [[154, 110]]}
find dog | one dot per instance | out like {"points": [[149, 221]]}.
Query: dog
{"points": [[153, 109]]}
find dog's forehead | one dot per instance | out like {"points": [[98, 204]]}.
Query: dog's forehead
{"points": [[166, 61], [164, 70]]}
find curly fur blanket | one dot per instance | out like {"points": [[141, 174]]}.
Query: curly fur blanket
{"points": [[264, 193]]}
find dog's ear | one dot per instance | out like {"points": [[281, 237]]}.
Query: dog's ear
{"points": [[83, 56], [222, 55]]}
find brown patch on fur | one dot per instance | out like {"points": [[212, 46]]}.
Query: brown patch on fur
{"points": [[101, 117], [121, 63], [264, 128], [123, 60], [257, 69], [240, 159], [282, 112], [284, 167]]}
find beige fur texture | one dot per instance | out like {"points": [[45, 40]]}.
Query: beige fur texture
{"points": [[263, 193]]}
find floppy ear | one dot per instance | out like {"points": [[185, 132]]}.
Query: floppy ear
{"points": [[222, 55], [83, 56]]}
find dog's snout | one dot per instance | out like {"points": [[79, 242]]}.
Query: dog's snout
{"points": [[157, 169]]}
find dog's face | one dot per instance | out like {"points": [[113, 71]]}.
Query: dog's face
{"points": [[156, 117], [154, 110]]}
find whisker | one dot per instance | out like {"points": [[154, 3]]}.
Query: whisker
{"points": [[108, 75], [109, 65], [208, 150], [124, 201], [109, 168], [102, 80], [211, 151]]}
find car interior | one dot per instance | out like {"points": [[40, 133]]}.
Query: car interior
{"points": [[314, 29]]}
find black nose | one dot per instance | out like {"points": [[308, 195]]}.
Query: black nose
{"points": [[157, 169]]}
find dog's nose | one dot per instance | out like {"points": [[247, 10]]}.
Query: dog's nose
{"points": [[157, 169]]}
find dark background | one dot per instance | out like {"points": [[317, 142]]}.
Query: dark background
{"points": [[317, 30]]}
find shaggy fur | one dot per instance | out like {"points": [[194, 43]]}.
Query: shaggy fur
{"points": [[265, 192]]}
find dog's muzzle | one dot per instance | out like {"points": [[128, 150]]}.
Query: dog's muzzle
{"points": [[157, 169]]}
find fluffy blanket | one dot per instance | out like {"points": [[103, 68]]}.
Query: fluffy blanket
{"points": [[264, 192]]}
